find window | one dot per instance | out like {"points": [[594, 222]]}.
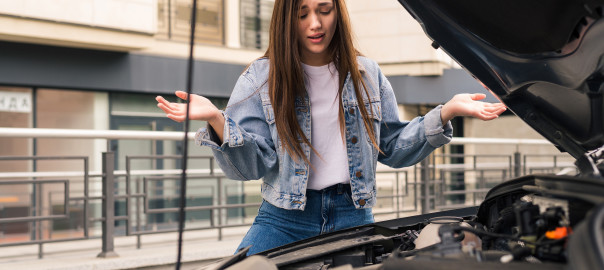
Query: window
{"points": [[174, 21], [255, 23]]}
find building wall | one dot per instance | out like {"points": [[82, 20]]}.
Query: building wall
{"points": [[389, 35]]}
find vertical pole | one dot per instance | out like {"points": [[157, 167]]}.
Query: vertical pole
{"points": [[138, 214], [108, 226], [398, 196], [36, 210], [220, 210], [86, 194], [425, 178], [517, 164], [40, 222]]}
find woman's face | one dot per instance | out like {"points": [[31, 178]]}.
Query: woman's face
{"points": [[316, 27]]}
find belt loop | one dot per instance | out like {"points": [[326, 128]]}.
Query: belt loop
{"points": [[340, 188]]}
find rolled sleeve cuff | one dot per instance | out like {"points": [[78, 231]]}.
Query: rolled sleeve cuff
{"points": [[232, 135], [437, 134]]}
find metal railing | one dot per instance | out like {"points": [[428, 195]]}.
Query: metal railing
{"points": [[140, 195]]}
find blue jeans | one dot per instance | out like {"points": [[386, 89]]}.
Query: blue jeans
{"points": [[326, 210]]}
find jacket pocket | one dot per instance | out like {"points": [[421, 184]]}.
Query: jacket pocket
{"points": [[269, 113], [374, 110]]}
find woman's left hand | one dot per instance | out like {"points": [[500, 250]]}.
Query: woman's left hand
{"points": [[469, 105]]}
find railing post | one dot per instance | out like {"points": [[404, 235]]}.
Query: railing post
{"points": [[108, 224], [425, 179], [220, 210], [517, 164]]}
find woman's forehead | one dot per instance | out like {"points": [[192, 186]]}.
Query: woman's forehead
{"points": [[320, 3]]}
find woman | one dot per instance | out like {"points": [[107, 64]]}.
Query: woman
{"points": [[318, 166]]}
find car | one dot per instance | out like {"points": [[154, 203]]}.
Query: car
{"points": [[544, 59]]}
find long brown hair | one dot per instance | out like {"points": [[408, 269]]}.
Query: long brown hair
{"points": [[286, 76]]}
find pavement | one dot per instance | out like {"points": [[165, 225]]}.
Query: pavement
{"points": [[158, 251]]}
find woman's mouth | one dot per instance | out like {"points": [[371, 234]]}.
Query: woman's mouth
{"points": [[316, 38]]}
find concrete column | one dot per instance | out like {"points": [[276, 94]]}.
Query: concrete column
{"points": [[232, 24]]}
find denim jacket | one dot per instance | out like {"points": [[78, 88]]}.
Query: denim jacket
{"points": [[251, 148]]}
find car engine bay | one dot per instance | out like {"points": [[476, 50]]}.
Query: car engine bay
{"points": [[533, 222]]}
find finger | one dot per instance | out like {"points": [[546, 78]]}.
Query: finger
{"points": [[501, 110], [181, 94], [175, 117], [496, 112], [477, 96], [496, 105], [162, 100], [487, 116], [167, 110], [494, 109]]}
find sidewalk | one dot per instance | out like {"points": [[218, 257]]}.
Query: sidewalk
{"points": [[156, 250]]}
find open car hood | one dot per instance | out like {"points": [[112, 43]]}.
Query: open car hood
{"points": [[543, 58]]}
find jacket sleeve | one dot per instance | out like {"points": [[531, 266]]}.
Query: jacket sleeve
{"points": [[405, 143], [247, 151]]}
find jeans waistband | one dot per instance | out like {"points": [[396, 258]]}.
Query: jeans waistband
{"points": [[340, 188]]}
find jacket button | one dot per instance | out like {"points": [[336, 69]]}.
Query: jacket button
{"points": [[354, 140], [351, 111], [359, 174], [362, 202]]}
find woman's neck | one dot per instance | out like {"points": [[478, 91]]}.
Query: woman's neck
{"points": [[315, 60]]}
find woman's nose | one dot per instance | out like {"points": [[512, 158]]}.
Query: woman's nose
{"points": [[315, 22]]}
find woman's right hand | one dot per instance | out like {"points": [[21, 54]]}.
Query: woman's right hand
{"points": [[200, 109]]}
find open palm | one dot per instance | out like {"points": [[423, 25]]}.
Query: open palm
{"points": [[469, 105], [201, 108]]}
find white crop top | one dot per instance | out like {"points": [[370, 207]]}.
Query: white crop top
{"points": [[331, 166]]}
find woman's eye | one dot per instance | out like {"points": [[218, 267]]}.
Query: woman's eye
{"points": [[303, 16], [326, 12]]}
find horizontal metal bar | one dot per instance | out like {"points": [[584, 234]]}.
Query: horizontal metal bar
{"points": [[29, 219], [467, 191], [125, 196], [167, 157], [217, 173], [84, 198], [199, 208], [392, 196], [3, 158], [92, 134], [44, 241], [173, 135], [191, 229], [394, 212], [462, 140], [18, 182], [460, 169], [476, 155], [451, 206]]}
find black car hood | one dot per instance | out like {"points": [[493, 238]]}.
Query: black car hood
{"points": [[543, 58]]}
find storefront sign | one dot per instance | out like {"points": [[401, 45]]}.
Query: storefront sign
{"points": [[15, 102]]}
